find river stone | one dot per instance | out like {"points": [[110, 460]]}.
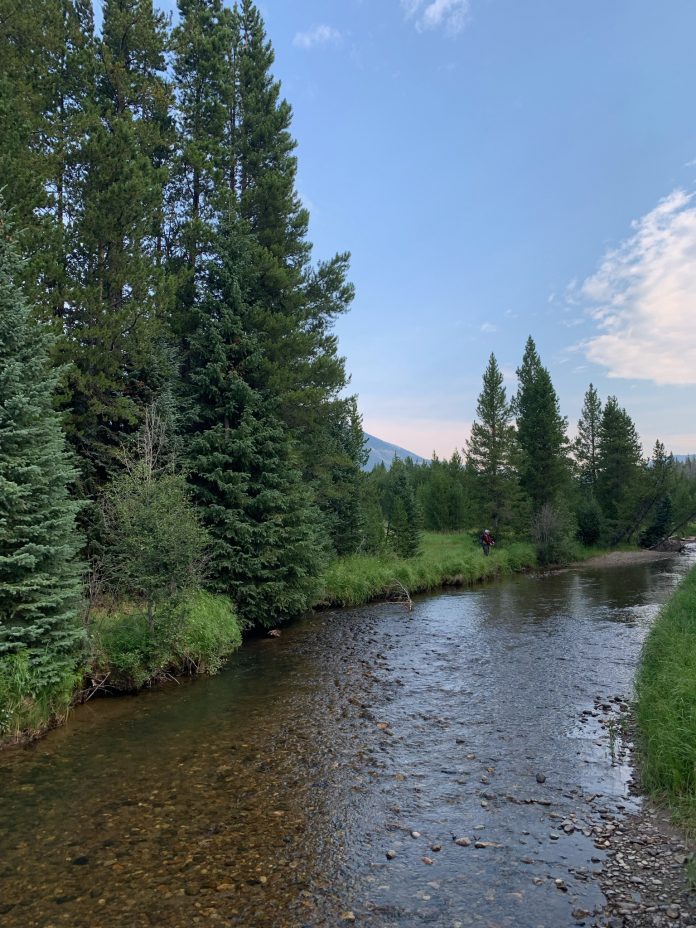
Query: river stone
{"points": [[391, 855], [462, 842], [540, 778]]}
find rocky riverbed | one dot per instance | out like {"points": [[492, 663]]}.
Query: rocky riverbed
{"points": [[463, 765]]}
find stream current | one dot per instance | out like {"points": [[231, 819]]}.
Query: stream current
{"points": [[270, 795]]}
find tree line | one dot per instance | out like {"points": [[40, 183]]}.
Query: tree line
{"points": [[521, 476], [174, 408]]}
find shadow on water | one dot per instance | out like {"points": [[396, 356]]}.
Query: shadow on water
{"points": [[269, 796]]}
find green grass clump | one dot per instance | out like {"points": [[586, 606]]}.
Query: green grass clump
{"points": [[194, 635], [29, 704], [666, 703], [444, 560]]}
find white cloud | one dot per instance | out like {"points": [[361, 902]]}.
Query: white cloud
{"points": [[452, 15], [319, 35], [643, 298], [489, 327]]}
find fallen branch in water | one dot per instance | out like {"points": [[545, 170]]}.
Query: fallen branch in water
{"points": [[399, 594]]}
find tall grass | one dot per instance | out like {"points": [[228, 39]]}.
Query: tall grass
{"points": [[29, 704], [194, 635], [445, 560], [666, 703]]}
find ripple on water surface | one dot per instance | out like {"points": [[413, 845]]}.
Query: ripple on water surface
{"points": [[270, 795]]}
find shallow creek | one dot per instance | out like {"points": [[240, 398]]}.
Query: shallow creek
{"points": [[270, 796]]}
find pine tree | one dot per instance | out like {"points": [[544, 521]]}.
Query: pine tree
{"points": [[199, 188], [295, 304], [587, 443], [404, 518], [39, 573], [491, 452], [116, 323], [49, 64], [266, 550], [541, 431], [619, 467], [22, 61]]}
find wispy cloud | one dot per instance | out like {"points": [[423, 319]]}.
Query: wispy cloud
{"points": [[319, 35], [643, 298], [451, 15], [489, 327]]}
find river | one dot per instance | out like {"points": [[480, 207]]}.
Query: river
{"points": [[271, 795]]}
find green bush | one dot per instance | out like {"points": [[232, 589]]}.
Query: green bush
{"points": [[194, 635], [28, 704], [666, 702]]}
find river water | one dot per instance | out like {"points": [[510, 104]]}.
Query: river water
{"points": [[270, 796]]}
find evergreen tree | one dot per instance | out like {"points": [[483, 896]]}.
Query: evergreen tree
{"points": [[404, 519], [441, 496], [154, 540], [200, 187], [587, 443], [491, 452], [619, 467], [541, 431], [266, 550], [295, 304], [661, 525], [39, 573], [116, 323], [48, 65]]}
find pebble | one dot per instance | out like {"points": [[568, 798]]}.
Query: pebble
{"points": [[463, 842], [540, 778], [391, 855]]}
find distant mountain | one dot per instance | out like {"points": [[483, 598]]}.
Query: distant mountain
{"points": [[382, 452], [685, 457]]}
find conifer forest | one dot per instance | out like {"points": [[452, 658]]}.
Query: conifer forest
{"points": [[180, 454]]}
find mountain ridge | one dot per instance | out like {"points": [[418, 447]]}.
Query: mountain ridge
{"points": [[383, 452]]}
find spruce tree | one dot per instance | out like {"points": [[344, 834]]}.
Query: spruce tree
{"points": [[47, 67], [587, 443], [39, 572], [404, 518], [619, 467], [491, 451], [199, 187], [266, 548], [541, 431], [116, 323], [295, 303]]}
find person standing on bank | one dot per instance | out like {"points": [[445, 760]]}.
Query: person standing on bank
{"points": [[487, 542]]}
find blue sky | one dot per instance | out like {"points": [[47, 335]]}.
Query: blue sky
{"points": [[497, 169]]}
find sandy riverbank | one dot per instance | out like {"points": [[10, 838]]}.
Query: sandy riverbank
{"points": [[624, 558]]}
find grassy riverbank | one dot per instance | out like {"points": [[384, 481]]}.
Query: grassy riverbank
{"points": [[666, 704], [124, 651], [446, 560]]}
